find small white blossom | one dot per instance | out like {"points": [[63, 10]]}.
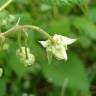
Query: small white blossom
{"points": [[59, 47], [1, 72], [22, 56], [25, 94]]}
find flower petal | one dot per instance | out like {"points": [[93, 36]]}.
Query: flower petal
{"points": [[43, 43], [57, 38], [67, 41], [64, 55], [59, 52], [63, 39]]}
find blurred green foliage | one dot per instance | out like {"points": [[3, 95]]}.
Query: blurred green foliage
{"points": [[73, 18]]}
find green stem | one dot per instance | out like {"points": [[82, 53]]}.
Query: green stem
{"points": [[65, 85], [19, 40], [26, 42], [24, 27], [5, 5]]}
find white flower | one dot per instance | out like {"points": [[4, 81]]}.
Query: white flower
{"points": [[59, 47], [1, 72], [22, 56], [63, 40]]}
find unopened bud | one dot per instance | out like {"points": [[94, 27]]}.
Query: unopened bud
{"points": [[1, 72], [22, 56]]}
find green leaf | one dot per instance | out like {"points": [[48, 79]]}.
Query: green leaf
{"points": [[17, 67], [92, 14], [86, 27], [61, 26], [2, 2], [84, 39], [72, 69], [2, 87], [64, 2]]}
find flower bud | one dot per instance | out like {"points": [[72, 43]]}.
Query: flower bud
{"points": [[22, 56], [1, 72], [29, 61]]}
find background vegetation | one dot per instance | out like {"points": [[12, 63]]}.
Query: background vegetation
{"points": [[72, 18]]}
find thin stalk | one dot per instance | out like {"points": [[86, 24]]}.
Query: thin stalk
{"points": [[65, 84], [24, 27], [26, 42], [5, 5], [19, 40]]}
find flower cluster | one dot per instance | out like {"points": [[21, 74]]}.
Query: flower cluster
{"points": [[58, 47], [22, 55]]}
